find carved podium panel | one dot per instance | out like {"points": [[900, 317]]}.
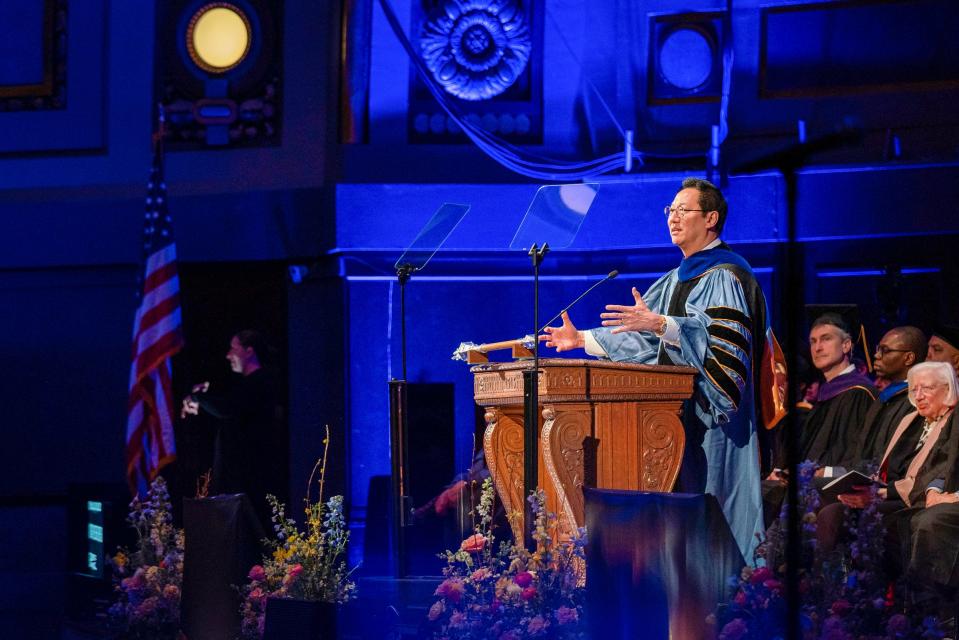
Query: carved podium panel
{"points": [[602, 424]]}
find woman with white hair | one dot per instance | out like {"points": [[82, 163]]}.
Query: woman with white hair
{"points": [[933, 556], [915, 449], [933, 391]]}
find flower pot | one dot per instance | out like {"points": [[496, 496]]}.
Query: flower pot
{"points": [[289, 619]]}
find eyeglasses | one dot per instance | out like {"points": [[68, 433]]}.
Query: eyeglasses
{"points": [[882, 351], [680, 211], [925, 389]]}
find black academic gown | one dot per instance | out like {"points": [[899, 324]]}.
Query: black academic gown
{"points": [[881, 420], [248, 417], [931, 535], [831, 430], [831, 522], [900, 457]]}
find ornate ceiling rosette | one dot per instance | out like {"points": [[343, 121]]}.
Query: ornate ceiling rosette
{"points": [[476, 49]]}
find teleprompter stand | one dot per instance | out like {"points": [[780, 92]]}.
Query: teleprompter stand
{"points": [[555, 214], [430, 238]]}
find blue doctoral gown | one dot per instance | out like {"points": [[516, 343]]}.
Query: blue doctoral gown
{"points": [[715, 337]]}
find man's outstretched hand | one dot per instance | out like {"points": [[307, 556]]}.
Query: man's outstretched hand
{"points": [[564, 338], [637, 317]]}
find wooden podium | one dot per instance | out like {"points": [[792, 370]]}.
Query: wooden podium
{"points": [[602, 424]]}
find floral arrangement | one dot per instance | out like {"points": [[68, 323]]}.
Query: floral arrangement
{"points": [[844, 593], [305, 565], [512, 593], [149, 579]]}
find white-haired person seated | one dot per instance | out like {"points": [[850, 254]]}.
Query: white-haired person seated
{"points": [[917, 449], [932, 563]]}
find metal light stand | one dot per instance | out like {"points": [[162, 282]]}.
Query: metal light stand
{"points": [[531, 406], [399, 427]]}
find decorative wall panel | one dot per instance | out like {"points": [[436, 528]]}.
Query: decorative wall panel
{"points": [[236, 106], [487, 56], [52, 67]]}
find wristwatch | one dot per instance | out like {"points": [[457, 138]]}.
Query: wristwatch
{"points": [[662, 328]]}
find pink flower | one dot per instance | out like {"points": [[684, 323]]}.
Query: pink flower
{"points": [[840, 607], [136, 581], [760, 575], [257, 574], [480, 574], [523, 579], [735, 629], [898, 625], [511, 634], [292, 574], [436, 610], [451, 588], [146, 607], [457, 619], [474, 544], [171, 592], [536, 625], [773, 585], [740, 598], [528, 593], [567, 615], [257, 595]]}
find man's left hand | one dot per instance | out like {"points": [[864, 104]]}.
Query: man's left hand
{"points": [[635, 318], [859, 498]]}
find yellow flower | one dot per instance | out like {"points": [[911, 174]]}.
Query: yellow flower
{"points": [[120, 560]]}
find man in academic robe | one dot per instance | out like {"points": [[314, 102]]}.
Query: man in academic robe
{"points": [[832, 428], [832, 425], [709, 314], [944, 346], [898, 351]]}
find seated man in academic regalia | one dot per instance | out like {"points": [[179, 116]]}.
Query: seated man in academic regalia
{"points": [[898, 351], [832, 428], [944, 346]]}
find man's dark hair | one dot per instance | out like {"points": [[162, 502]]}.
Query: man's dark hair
{"points": [[253, 339], [914, 340], [833, 320], [710, 199]]}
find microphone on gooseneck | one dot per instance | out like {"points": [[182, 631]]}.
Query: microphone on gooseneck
{"points": [[612, 274]]}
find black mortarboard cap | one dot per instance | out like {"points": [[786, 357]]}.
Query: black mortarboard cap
{"points": [[844, 316], [949, 333]]}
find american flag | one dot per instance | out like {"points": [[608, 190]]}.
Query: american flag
{"points": [[156, 338]]}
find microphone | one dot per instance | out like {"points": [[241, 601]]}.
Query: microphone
{"points": [[612, 274]]}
